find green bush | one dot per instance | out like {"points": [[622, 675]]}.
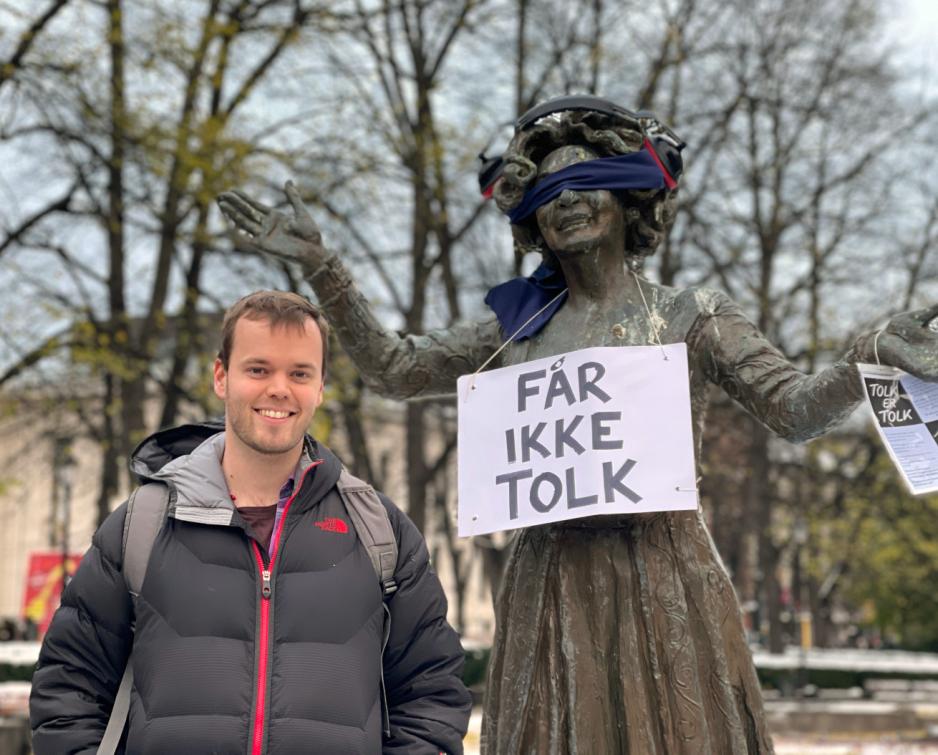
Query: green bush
{"points": [[16, 673], [477, 660]]}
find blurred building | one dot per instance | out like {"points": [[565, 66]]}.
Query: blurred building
{"points": [[49, 486]]}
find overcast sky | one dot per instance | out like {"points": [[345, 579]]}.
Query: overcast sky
{"points": [[915, 28]]}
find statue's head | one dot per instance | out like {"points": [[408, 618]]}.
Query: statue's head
{"points": [[560, 134]]}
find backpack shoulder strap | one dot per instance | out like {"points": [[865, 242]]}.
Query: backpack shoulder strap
{"points": [[146, 512], [373, 527]]}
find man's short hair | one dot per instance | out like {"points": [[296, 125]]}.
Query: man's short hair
{"points": [[279, 308]]}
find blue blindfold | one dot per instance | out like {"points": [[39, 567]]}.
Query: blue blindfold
{"points": [[636, 170]]}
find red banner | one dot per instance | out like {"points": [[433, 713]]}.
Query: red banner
{"points": [[44, 586]]}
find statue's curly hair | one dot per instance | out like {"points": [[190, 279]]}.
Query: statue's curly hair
{"points": [[648, 212]]}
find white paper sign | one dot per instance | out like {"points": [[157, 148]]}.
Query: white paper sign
{"points": [[605, 430], [905, 410]]}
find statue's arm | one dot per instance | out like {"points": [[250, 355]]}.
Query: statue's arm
{"points": [[399, 366], [739, 358], [394, 365]]}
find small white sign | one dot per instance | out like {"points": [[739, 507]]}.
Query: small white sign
{"points": [[905, 410], [605, 430]]}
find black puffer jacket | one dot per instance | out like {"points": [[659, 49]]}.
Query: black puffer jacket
{"points": [[200, 624]]}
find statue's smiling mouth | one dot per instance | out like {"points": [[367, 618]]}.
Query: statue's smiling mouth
{"points": [[573, 221]]}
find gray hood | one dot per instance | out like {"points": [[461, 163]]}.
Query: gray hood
{"points": [[188, 459]]}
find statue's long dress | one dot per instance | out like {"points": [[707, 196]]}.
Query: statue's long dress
{"points": [[617, 634], [622, 634]]}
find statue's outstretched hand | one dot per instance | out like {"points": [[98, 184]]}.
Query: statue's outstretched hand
{"points": [[909, 342], [272, 232]]}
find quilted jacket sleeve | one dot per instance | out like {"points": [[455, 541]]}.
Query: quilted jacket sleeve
{"points": [[429, 704], [84, 652]]}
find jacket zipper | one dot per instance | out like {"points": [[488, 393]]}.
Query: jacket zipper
{"points": [[266, 574]]}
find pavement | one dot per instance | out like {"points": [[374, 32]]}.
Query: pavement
{"points": [[849, 659], [921, 742], [823, 746], [471, 742]]}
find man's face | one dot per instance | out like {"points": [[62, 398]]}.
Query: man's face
{"points": [[578, 221], [272, 386]]}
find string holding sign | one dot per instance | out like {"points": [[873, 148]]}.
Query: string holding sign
{"points": [[651, 318], [653, 321], [487, 362]]}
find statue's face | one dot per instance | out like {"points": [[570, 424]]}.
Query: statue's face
{"points": [[579, 221]]}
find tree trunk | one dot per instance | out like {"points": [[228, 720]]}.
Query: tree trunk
{"points": [[110, 456], [416, 466], [456, 556], [351, 412], [760, 501]]}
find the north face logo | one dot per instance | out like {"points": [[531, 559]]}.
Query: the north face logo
{"points": [[332, 524]]}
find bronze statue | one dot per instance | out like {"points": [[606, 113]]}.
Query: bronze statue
{"points": [[615, 634]]}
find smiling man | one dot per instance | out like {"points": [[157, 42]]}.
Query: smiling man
{"points": [[283, 606]]}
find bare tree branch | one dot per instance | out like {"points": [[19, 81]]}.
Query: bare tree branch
{"points": [[16, 235], [27, 39]]}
